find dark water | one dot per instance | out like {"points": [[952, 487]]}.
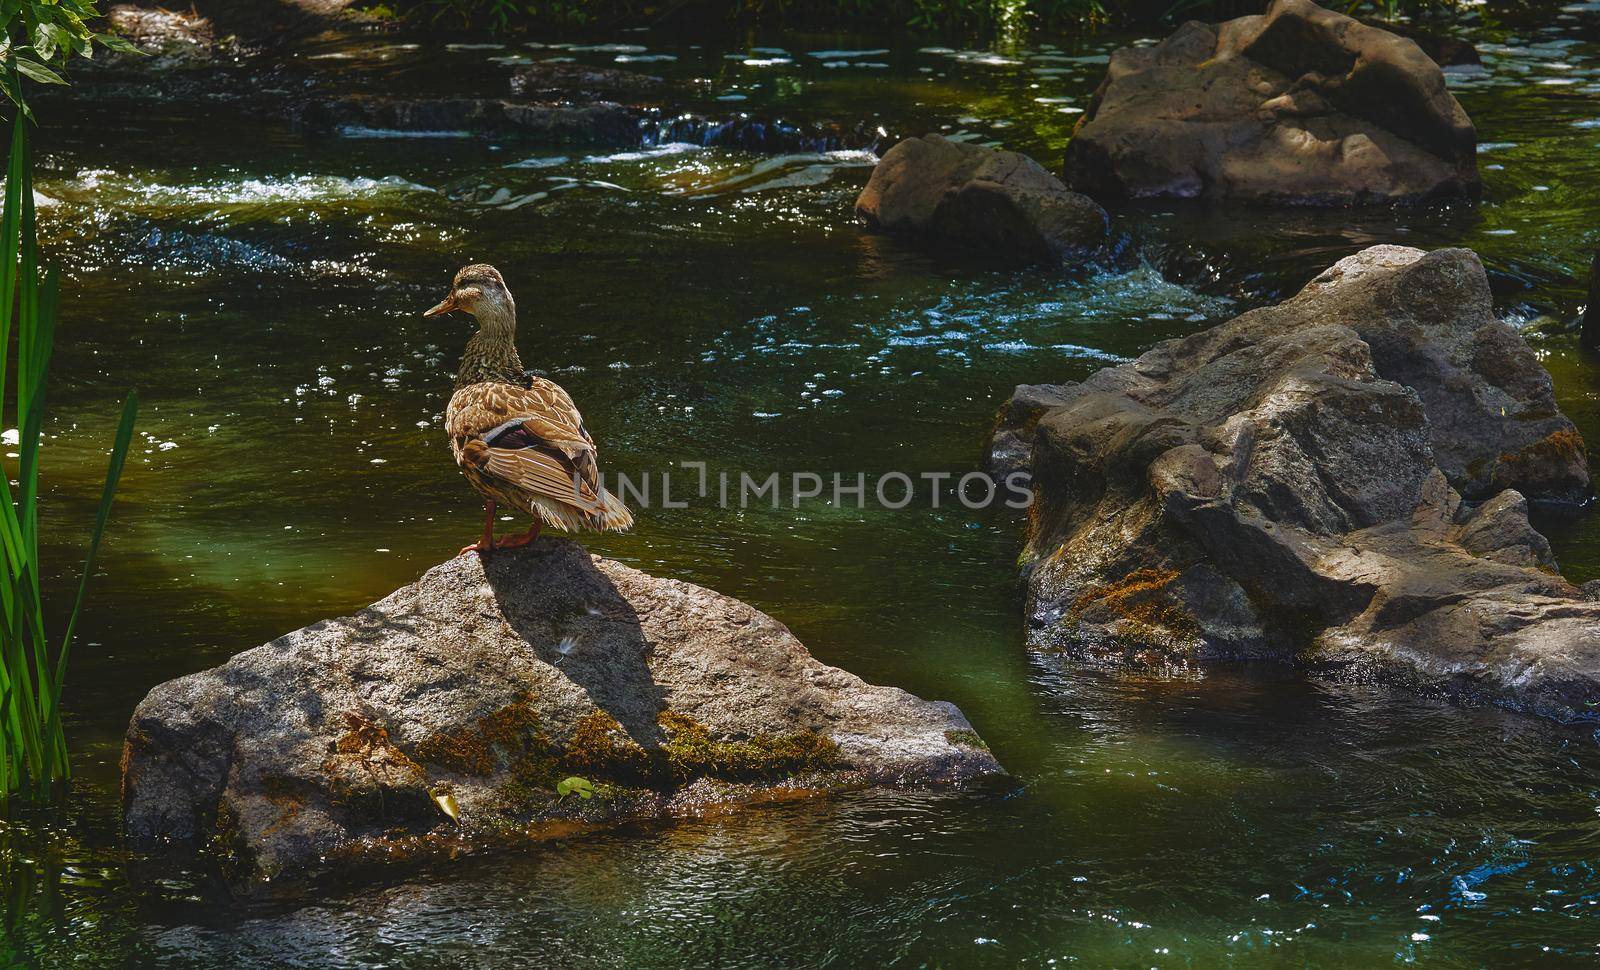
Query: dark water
{"points": [[262, 290]]}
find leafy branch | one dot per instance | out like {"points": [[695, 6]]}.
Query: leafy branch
{"points": [[44, 37]]}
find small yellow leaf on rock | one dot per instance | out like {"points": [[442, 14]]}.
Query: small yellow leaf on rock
{"points": [[447, 805]]}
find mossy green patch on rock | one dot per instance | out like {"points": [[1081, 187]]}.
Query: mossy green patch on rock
{"points": [[691, 752], [1145, 604], [287, 795], [600, 748], [228, 842], [508, 734], [1545, 457], [968, 739], [532, 782], [370, 779]]}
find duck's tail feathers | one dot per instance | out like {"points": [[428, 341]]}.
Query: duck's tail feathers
{"points": [[612, 515], [605, 514]]}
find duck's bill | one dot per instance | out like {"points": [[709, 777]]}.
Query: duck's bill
{"points": [[444, 306]]}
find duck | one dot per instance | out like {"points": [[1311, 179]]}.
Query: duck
{"points": [[518, 437]]}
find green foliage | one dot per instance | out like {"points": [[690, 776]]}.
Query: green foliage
{"points": [[44, 35], [581, 787], [33, 666]]}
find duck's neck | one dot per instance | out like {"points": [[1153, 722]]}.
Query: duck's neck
{"points": [[491, 354]]}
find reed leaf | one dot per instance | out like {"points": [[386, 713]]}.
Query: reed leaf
{"points": [[34, 757]]}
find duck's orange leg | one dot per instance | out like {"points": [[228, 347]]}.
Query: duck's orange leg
{"points": [[487, 542], [522, 539]]}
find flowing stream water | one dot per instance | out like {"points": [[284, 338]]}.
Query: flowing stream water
{"points": [[262, 288]]}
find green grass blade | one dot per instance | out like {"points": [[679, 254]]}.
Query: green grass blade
{"points": [[33, 748], [10, 768], [10, 239], [119, 457], [22, 713], [10, 242]]}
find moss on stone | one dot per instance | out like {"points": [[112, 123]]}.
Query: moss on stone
{"points": [[287, 795], [600, 748], [368, 741], [967, 739], [532, 783], [235, 858], [1537, 461], [1151, 613], [691, 752], [510, 733], [370, 779]]}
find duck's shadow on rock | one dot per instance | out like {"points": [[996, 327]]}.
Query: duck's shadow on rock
{"points": [[558, 602]]}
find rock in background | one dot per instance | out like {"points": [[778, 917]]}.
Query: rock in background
{"points": [[1300, 105], [1290, 486], [998, 201], [476, 690]]}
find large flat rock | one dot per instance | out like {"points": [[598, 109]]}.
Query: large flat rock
{"points": [[486, 682]]}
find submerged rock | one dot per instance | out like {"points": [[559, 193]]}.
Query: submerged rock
{"points": [[999, 201], [765, 136], [552, 102], [1300, 105], [1290, 485], [564, 122], [557, 80], [474, 691]]}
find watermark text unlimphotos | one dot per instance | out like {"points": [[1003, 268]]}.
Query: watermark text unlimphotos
{"points": [[695, 483]]}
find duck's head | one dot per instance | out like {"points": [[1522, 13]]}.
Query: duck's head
{"points": [[479, 290]]}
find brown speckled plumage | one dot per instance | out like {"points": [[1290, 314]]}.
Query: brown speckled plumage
{"points": [[519, 438]]}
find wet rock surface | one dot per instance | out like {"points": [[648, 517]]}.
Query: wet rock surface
{"points": [[598, 123], [1339, 481], [1443, 49], [556, 79], [474, 691], [999, 201], [1300, 105]]}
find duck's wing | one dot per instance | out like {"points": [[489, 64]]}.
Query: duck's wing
{"points": [[531, 437]]}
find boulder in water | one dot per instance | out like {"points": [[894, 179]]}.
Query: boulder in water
{"points": [[1339, 481], [1299, 105], [998, 201], [443, 717]]}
